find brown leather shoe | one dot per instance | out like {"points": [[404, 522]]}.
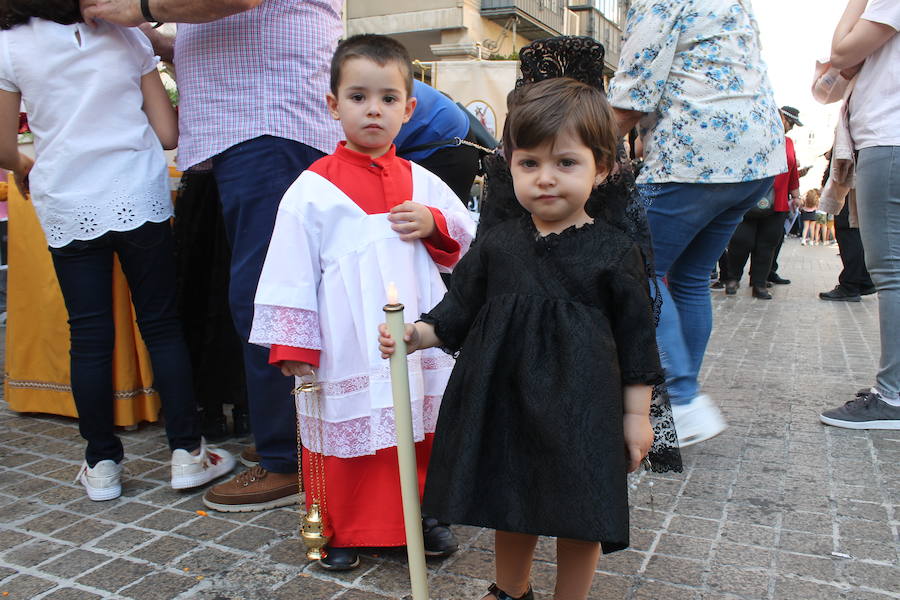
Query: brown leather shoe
{"points": [[254, 490], [249, 457]]}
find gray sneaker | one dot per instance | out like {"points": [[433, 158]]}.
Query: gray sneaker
{"points": [[866, 411]]}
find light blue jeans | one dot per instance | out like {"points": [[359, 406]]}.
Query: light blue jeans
{"points": [[690, 225], [878, 204]]}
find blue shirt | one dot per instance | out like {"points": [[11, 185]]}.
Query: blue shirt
{"points": [[435, 119], [694, 67]]}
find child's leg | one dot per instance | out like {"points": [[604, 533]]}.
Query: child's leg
{"points": [[575, 564], [805, 231], [513, 553], [84, 272], [148, 261]]}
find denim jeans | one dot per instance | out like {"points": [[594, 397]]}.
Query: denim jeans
{"points": [[84, 271], [252, 177], [690, 225], [878, 205]]}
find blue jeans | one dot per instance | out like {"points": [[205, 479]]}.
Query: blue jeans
{"points": [[252, 177], [878, 205], [690, 225], [84, 271]]}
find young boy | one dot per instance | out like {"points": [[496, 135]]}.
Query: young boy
{"points": [[351, 224]]}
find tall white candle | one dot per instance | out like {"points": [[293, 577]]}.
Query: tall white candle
{"points": [[406, 451]]}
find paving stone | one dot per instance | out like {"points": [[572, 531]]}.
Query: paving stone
{"points": [[626, 562], [26, 586], [248, 537], [10, 538], [694, 526], [69, 566], [34, 553], [160, 586], [743, 582], [123, 540], [128, 512], [282, 520], [877, 577], [117, 574], [800, 565], [51, 521], [70, 594], [208, 561], [307, 587], [6, 572], [737, 555], [60, 495], [206, 528], [83, 531], [789, 588], [166, 520], [656, 590], [674, 570], [164, 550]]}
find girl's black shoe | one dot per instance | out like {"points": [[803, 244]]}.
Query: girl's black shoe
{"points": [[339, 559], [439, 540], [213, 426], [501, 595], [760, 292], [241, 419]]}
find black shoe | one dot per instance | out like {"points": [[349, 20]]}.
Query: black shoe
{"points": [[839, 294], [213, 427], [717, 285], [761, 292], [241, 421], [867, 290], [439, 540], [731, 287], [769, 284], [776, 278], [501, 595], [339, 559]]}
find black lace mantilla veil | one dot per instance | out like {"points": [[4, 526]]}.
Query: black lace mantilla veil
{"points": [[616, 201]]}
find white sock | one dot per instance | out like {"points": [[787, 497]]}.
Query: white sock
{"points": [[891, 401]]}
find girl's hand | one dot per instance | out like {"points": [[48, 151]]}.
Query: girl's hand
{"points": [[21, 172], [638, 438], [411, 220], [296, 368], [387, 345]]}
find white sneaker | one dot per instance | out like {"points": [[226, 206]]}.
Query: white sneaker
{"points": [[697, 420], [189, 471], [103, 482]]}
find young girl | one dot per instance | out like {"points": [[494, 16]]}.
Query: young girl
{"points": [[547, 407], [808, 217], [99, 186]]}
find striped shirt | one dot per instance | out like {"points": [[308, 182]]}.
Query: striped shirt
{"points": [[261, 72]]}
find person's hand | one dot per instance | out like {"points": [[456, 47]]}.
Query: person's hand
{"points": [[841, 170], [852, 71], [20, 173], [638, 438], [296, 368], [387, 345], [411, 220], [126, 13]]}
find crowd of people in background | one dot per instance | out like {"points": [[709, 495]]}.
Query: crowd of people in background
{"points": [[321, 162]]}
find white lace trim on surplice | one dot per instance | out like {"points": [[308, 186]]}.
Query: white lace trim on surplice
{"points": [[285, 326]]}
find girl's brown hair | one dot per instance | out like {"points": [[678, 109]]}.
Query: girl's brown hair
{"points": [[18, 12], [541, 110], [811, 199]]}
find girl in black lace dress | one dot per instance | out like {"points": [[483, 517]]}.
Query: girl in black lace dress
{"points": [[548, 405]]}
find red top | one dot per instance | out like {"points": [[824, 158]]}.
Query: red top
{"points": [[788, 181], [376, 185]]}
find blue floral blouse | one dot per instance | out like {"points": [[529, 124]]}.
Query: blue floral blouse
{"points": [[694, 67]]}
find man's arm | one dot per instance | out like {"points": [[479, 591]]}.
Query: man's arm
{"points": [[128, 12]]}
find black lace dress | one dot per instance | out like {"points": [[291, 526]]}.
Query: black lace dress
{"points": [[547, 330]]}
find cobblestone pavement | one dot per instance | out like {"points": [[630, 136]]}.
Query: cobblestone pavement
{"points": [[779, 506]]}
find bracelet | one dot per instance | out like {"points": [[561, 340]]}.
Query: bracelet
{"points": [[145, 10]]}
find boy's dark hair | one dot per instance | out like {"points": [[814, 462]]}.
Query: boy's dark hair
{"points": [[378, 48], [18, 12], [539, 111]]}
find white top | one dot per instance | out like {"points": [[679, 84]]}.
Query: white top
{"points": [[323, 287], [694, 67], [99, 165], [875, 102]]}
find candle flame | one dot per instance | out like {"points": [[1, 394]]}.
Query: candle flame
{"points": [[392, 295]]}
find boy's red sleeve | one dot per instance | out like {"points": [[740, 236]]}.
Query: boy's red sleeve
{"points": [[278, 353], [442, 248]]}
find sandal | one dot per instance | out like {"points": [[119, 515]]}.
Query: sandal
{"points": [[501, 595]]}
